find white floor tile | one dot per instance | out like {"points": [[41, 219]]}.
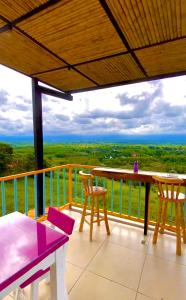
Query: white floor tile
{"points": [[130, 237], [162, 279], [93, 287], [166, 248], [81, 250], [72, 275], [143, 297], [120, 264]]}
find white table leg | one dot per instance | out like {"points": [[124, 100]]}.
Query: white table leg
{"points": [[57, 276], [34, 290]]}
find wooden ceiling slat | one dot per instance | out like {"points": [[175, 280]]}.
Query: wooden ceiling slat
{"points": [[169, 19], [65, 79], [138, 14], [152, 16], [178, 19], [183, 17], [162, 18], [75, 30], [173, 14], [50, 34], [20, 53], [122, 14], [132, 22], [13, 9], [154, 8], [166, 18], [150, 22], [115, 69], [145, 22], [164, 59], [134, 17], [143, 14]]}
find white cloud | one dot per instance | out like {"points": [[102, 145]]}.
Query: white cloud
{"points": [[150, 107]]}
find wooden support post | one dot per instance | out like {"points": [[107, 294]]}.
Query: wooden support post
{"points": [[38, 141], [147, 196]]}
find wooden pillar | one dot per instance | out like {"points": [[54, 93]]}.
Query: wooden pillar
{"points": [[38, 141]]}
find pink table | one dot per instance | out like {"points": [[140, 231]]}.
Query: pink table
{"points": [[27, 246]]}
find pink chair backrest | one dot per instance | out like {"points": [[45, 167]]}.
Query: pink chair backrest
{"points": [[61, 220]]}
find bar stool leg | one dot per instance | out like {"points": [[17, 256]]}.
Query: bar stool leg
{"points": [[178, 234], [155, 236], [97, 207], [91, 217], [183, 222], [164, 218], [105, 215], [83, 215]]}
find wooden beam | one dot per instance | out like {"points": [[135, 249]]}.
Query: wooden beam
{"points": [[126, 82], [54, 93]]}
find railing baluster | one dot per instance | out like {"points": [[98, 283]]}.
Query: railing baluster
{"points": [[75, 184], [112, 195], [171, 213], [121, 197], [82, 193], [51, 188], [130, 198], [64, 186], [3, 198], [139, 200], [35, 195], [104, 182], [15, 196], [58, 188], [26, 194], [96, 179], [44, 192]]}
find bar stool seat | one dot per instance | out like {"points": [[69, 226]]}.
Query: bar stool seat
{"points": [[96, 194], [169, 192], [97, 190]]}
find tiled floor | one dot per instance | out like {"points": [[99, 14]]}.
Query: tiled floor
{"points": [[121, 267]]}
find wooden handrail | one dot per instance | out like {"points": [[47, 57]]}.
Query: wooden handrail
{"points": [[35, 172], [11, 177]]}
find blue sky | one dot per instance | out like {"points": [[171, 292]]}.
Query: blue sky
{"points": [[144, 108]]}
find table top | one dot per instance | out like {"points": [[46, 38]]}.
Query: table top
{"points": [[143, 176], [23, 244]]}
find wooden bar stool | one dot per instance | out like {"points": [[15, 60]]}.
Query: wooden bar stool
{"points": [[169, 192], [96, 193]]}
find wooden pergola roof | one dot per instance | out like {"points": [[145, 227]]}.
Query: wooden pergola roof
{"points": [[76, 45]]}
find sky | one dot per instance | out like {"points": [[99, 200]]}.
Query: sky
{"points": [[154, 107]]}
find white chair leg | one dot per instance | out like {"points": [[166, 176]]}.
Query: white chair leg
{"points": [[17, 294], [34, 290], [57, 280], [14, 294]]}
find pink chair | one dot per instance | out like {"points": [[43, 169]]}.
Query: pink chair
{"points": [[62, 222]]}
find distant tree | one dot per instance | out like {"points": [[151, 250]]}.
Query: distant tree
{"points": [[6, 152], [29, 162]]}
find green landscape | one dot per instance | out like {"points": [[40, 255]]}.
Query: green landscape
{"points": [[169, 158], [20, 158]]}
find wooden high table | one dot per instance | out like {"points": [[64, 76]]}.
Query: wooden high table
{"points": [[142, 176]]}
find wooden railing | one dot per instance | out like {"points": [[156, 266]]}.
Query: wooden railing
{"points": [[62, 188]]}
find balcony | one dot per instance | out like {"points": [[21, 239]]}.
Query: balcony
{"points": [[124, 265]]}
